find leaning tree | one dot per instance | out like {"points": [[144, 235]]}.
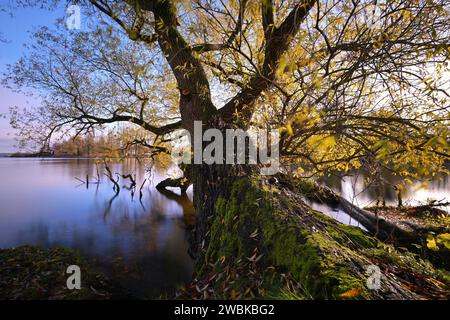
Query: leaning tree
{"points": [[348, 85]]}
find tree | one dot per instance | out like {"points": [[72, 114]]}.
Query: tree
{"points": [[348, 84]]}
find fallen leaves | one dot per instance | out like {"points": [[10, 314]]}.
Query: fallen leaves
{"points": [[352, 293], [433, 242], [29, 272]]}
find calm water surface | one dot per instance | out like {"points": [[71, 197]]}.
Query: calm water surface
{"points": [[142, 244]]}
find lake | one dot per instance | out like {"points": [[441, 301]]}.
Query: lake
{"points": [[141, 243]]}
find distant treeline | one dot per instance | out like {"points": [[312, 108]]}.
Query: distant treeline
{"points": [[112, 144]]}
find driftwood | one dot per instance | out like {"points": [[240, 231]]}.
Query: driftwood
{"points": [[140, 189], [170, 182], [98, 172], [376, 225], [87, 181], [132, 180], [82, 181], [108, 173], [182, 183]]}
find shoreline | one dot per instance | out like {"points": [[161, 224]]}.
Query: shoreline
{"points": [[33, 156]]}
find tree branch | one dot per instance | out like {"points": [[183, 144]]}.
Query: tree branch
{"points": [[120, 118], [206, 47], [277, 43]]}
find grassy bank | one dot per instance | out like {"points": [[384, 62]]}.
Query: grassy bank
{"points": [[29, 272]]}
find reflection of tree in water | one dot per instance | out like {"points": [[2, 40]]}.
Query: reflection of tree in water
{"points": [[157, 260], [108, 206], [141, 241], [185, 203], [146, 252]]}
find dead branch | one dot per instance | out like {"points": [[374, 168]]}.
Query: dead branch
{"points": [[108, 173]]}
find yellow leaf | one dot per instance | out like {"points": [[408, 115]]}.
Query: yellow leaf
{"points": [[444, 239], [289, 129], [431, 243], [351, 293], [347, 167], [444, 236]]}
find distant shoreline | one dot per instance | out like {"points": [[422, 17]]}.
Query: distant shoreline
{"points": [[28, 155], [57, 156], [39, 155]]}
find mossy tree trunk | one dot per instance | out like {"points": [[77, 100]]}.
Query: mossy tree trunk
{"points": [[259, 239], [211, 183]]}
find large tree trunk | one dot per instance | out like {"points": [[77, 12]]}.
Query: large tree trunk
{"points": [[210, 183]]}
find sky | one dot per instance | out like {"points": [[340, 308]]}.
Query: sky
{"points": [[15, 30]]}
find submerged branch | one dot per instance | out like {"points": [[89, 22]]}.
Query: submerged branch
{"points": [[108, 173]]}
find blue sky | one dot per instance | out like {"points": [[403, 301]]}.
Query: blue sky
{"points": [[15, 30]]}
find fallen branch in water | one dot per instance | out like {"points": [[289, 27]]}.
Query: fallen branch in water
{"points": [[87, 181], [98, 173], [140, 189], [375, 224], [435, 203], [82, 181], [176, 183], [129, 176], [108, 173]]}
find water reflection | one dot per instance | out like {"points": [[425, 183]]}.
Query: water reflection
{"points": [[140, 242], [336, 213]]}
